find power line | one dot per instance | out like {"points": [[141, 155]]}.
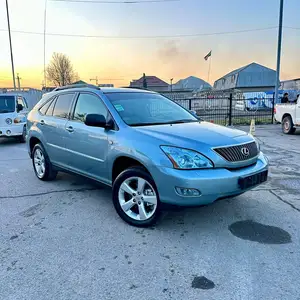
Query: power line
{"points": [[142, 37], [116, 2], [289, 27]]}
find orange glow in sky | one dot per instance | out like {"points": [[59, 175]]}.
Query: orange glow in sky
{"points": [[120, 60]]}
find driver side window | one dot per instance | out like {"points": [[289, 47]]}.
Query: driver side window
{"points": [[21, 101], [89, 104]]}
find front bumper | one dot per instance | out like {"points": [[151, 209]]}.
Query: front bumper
{"points": [[12, 130], [212, 183]]}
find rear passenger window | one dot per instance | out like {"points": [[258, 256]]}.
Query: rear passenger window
{"points": [[62, 106]]}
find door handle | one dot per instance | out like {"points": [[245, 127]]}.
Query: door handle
{"points": [[42, 122], [70, 128]]}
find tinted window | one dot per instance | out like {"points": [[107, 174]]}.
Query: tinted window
{"points": [[49, 111], [62, 106], [7, 104], [148, 109], [88, 104], [44, 108]]}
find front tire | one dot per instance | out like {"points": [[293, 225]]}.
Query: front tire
{"points": [[22, 138], [41, 164], [136, 198], [287, 125]]}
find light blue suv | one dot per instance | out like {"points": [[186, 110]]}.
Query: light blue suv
{"points": [[148, 148]]}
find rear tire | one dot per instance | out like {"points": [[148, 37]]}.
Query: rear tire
{"points": [[41, 164], [136, 198], [288, 126]]}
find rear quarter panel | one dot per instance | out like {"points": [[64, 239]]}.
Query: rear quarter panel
{"points": [[285, 109]]}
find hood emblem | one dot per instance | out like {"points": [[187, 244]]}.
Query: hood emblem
{"points": [[245, 151]]}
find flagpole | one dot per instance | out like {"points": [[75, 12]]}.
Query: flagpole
{"points": [[209, 66]]}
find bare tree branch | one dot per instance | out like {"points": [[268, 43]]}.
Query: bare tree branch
{"points": [[60, 70]]}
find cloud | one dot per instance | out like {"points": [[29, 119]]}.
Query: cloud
{"points": [[169, 51]]}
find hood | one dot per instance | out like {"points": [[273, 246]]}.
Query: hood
{"points": [[189, 134], [4, 116]]}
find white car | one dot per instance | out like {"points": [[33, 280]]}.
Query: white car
{"points": [[288, 114], [13, 116]]}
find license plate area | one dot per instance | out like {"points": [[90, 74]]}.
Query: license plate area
{"points": [[253, 180]]}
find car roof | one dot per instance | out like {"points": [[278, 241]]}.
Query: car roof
{"points": [[90, 88]]}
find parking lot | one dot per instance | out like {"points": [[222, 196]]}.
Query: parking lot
{"points": [[64, 240]]}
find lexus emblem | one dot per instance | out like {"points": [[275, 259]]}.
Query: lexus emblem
{"points": [[245, 151]]}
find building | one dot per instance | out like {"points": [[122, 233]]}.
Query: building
{"points": [[79, 82], [292, 84], [105, 85], [191, 83], [250, 78], [153, 83]]}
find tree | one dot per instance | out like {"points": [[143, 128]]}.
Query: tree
{"points": [[60, 70]]}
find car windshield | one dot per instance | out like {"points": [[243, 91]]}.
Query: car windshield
{"points": [[7, 104], [142, 109]]}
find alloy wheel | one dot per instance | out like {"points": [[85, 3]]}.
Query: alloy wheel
{"points": [[39, 163], [137, 198]]}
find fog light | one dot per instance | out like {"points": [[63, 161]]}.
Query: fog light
{"points": [[187, 192], [8, 132]]}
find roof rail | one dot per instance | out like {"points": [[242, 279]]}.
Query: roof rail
{"points": [[74, 86], [136, 88]]}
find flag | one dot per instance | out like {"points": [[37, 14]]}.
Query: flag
{"points": [[207, 55]]}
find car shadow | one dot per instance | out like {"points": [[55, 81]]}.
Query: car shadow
{"points": [[6, 142]]}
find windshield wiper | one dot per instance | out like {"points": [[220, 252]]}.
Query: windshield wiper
{"points": [[148, 124], [183, 121]]}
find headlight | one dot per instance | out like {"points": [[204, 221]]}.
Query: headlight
{"points": [[8, 121], [186, 159]]}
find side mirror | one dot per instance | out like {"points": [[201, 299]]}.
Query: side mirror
{"points": [[96, 120], [19, 107]]}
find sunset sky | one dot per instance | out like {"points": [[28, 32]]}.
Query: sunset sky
{"points": [[118, 60]]}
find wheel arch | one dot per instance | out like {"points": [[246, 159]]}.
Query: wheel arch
{"points": [[124, 162], [286, 115], [32, 142]]}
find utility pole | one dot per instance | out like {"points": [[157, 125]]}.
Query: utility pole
{"points": [[11, 53], [171, 84], [18, 79], [278, 51], [95, 79], [45, 19]]}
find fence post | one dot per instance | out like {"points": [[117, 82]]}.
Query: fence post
{"points": [[230, 110], [190, 104], [273, 106]]}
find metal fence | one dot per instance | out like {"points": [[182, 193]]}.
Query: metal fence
{"points": [[232, 108]]}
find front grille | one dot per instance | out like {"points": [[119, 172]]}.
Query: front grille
{"points": [[238, 153]]}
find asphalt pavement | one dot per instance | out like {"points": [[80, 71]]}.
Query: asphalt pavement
{"points": [[64, 240]]}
